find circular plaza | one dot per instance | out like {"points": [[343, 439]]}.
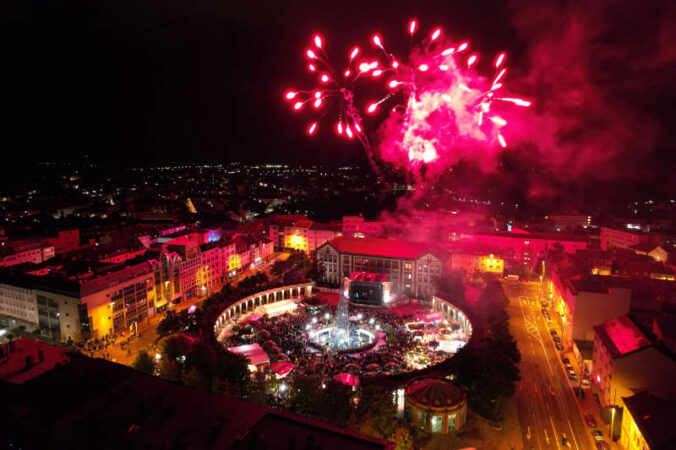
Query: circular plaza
{"points": [[323, 335]]}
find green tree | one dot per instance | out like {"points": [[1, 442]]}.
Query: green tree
{"points": [[144, 362], [175, 348], [402, 438], [170, 370], [195, 379]]}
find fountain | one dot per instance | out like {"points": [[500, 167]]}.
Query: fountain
{"points": [[341, 335]]}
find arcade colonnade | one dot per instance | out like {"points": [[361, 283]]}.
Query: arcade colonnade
{"points": [[253, 301], [453, 314]]}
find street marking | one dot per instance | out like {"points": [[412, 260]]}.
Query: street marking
{"points": [[556, 433], [546, 436], [572, 433], [528, 433]]}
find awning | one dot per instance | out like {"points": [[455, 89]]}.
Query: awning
{"points": [[253, 352], [347, 378], [281, 368]]}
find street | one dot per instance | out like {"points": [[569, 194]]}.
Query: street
{"points": [[547, 405]]}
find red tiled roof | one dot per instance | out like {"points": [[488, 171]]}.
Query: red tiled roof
{"points": [[435, 392], [386, 248], [621, 336]]}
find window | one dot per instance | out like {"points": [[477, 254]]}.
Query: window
{"points": [[452, 426], [436, 424]]}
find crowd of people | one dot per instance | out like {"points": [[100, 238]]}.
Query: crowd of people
{"points": [[285, 338]]}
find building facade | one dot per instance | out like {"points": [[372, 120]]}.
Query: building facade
{"points": [[413, 268]]}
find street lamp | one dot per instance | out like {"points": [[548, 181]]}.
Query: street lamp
{"points": [[612, 422]]}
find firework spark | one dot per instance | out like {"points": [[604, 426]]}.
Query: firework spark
{"points": [[445, 109]]}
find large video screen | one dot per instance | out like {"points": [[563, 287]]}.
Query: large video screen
{"points": [[366, 293]]}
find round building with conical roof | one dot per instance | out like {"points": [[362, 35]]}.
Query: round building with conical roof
{"points": [[436, 403]]}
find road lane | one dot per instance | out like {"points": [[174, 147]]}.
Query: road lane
{"points": [[546, 402]]}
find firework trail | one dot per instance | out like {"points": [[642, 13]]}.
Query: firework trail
{"points": [[446, 111], [334, 87]]}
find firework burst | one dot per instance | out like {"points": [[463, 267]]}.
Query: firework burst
{"points": [[442, 108]]}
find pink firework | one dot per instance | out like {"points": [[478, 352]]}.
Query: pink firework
{"points": [[449, 111], [445, 110], [334, 89]]}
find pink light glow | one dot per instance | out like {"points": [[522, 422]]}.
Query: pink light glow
{"points": [[312, 128], [348, 132], [376, 40], [423, 67], [372, 108], [412, 26], [318, 41], [297, 106], [435, 34], [499, 60], [354, 53], [311, 67], [289, 95], [310, 54], [471, 60], [339, 128], [324, 78]]}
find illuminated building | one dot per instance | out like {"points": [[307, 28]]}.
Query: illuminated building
{"points": [[437, 404], [27, 251], [569, 221], [476, 261], [614, 238], [648, 423], [525, 249], [411, 267], [17, 299], [626, 361], [65, 241]]}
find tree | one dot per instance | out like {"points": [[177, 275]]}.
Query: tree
{"points": [[169, 370], [144, 362], [195, 379], [402, 438], [174, 348], [170, 324]]}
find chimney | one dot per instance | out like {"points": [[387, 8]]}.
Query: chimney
{"points": [[29, 362], [41, 356]]}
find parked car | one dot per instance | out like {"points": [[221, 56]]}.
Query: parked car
{"points": [[558, 346], [602, 445], [598, 436], [556, 339], [553, 332], [579, 392], [565, 360], [586, 382], [590, 421]]}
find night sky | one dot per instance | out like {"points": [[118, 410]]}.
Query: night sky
{"points": [[145, 82]]}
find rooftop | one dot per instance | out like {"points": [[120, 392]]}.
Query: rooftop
{"points": [[655, 418], [434, 392], [621, 336], [386, 248], [88, 399]]}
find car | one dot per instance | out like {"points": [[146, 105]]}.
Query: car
{"points": [[544, 311], [549, 319], [544, 304], [579, 392], [598, 436], [569, 367], [586, 382], [558, 346], [572, 376], [589, 420], [565, 360], [602, 445], [553, 332], [556, 339]]}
